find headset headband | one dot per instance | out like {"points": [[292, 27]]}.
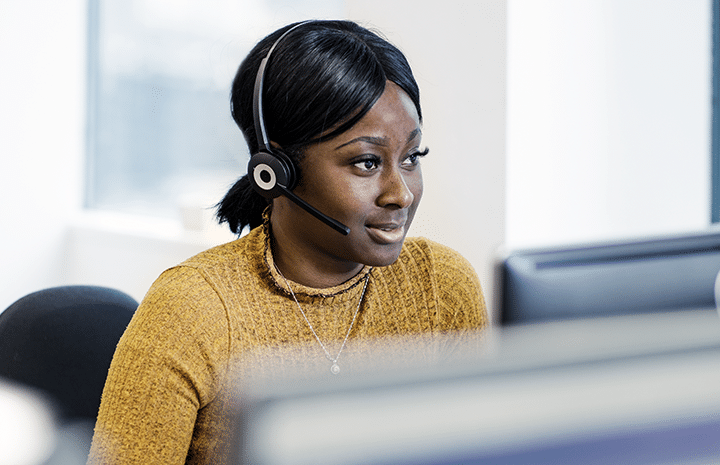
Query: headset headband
{"points": [[260, 131]]}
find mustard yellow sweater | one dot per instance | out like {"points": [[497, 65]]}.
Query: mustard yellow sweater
{"points": [[165, 394]]}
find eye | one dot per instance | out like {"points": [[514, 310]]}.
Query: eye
{"points": [[367, 164], [413, 159]]}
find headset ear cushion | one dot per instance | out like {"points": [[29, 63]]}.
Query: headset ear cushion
{"points": [[267, 171]]}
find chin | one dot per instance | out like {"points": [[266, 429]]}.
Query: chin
{"points": [[383, 259]]}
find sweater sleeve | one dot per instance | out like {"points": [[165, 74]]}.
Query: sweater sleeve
{"points": [[166, 368]]}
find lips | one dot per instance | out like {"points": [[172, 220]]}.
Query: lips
{"points": [[386, 233]]}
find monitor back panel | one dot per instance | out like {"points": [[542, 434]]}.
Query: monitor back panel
{"points": [[663, 274]]}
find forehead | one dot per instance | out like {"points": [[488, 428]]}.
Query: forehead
{"points": [[392, 123], [392, 120], [393, 112]]}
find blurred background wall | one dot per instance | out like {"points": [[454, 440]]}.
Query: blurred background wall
{"points": [[549, 122]]}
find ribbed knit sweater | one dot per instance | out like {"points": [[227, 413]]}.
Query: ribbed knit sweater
{"points": [[166, 393]]}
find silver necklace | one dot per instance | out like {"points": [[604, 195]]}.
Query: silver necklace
{"points": [[335, 368]]}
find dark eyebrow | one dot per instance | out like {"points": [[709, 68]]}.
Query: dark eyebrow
{"points": [[381, 141], [414, 134]]}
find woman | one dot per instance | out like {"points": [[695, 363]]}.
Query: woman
{"points": [[335, 126]]}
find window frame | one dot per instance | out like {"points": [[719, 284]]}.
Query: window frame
{"points": [[715, 130]]}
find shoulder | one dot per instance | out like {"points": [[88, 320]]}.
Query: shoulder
{"points": [[437, 256], [202, 289], [191, 292], [438, 265], [456, 284], [181, 300], [233, 252]]}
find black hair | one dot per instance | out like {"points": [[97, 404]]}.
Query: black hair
{"points": [[321, 79]]}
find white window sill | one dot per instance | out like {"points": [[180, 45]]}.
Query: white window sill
{"points": [[128, 252], [198, 229]]}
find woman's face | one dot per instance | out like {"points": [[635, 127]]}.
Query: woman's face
{"points": [[368, 178]]}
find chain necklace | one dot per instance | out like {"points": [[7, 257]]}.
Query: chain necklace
{"points": [[335, 368]]}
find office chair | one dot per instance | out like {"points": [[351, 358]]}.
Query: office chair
{"points": [[61, 341]]}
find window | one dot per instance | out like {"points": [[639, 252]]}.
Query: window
{"points": [[160, 132]]}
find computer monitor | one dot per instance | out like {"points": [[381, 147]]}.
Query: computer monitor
{"points": [[573, 392], [634, 276]]}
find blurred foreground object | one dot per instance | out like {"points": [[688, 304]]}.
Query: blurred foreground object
{"points": [[641, 389], [27, 427]]}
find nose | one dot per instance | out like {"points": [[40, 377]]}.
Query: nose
{"points": [[395, 190]]}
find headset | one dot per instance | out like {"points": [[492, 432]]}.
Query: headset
{"points": [[271, 172]]}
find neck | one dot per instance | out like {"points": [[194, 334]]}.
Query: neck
{"points": [[307, 267]]}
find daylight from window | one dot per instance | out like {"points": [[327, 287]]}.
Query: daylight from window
{"points": [[160, 134]]}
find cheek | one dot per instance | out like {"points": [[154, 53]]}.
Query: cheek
{"points": [[415, 184], [333, 194]]}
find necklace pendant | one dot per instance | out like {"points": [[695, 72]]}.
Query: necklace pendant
{"points": [[335, 368]]}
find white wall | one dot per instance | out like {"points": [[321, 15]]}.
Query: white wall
{"points": [[607, 132], [608, 119], [42, 114]]}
